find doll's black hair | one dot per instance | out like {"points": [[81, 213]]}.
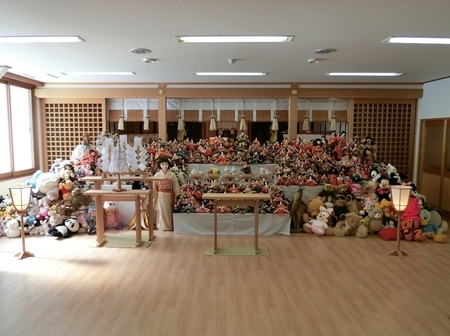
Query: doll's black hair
{"points": [[164, 159]]}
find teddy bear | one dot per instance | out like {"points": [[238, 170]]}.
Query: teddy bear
{"points": [[313, 209], [66, 229], [340, 207], [328, 194], [320, 223], [347, 226], [112, 219], [430, 229], [54, 220], [375, 220]]}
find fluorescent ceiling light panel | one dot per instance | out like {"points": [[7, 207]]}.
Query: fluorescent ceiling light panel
{"points": [[232, 39], [230, 73], [365, 74], [40, 39], [98, 73], [417, 40]]}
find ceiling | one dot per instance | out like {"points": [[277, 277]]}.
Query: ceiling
{"points": [[111, 28]]}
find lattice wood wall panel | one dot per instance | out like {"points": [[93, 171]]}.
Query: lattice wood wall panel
{"points": [[65, 123], [391, 125]]}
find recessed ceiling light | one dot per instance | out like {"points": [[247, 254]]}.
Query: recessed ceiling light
{"points": [[232, 39], [230, 73], [98, 73], [40, 39], [376, 74], [417, 40], [140, 51], [325, 51]]}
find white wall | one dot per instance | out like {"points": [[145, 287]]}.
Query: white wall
{"points": [[434, 104]]}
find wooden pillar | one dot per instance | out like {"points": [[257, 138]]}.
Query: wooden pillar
{"points": [[162, 113], [292, 117]]}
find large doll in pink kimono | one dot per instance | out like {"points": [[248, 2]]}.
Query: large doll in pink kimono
{"points": [[166, 192]]}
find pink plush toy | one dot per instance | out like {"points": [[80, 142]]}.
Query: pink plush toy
{"points": [[320, 224], [111, 218]]}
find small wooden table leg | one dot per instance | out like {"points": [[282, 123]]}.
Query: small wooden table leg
{"points": [[100, 226], [256, 227], [215, 227], [137, 205], [150, 215]]}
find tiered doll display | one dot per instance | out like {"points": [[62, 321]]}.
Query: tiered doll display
{"points": [[348, 175]]}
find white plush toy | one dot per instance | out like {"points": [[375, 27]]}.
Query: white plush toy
{"points": [[12, 228], [46, 182]]}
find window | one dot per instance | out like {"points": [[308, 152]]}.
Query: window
{"points": [[16, 128]]}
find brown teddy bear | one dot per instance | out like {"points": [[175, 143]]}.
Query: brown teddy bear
{"points": [[328, 194], [347, 226], [313, 208], [375, 220]]}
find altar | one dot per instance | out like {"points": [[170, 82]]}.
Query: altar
{"points": [[228, 223]]}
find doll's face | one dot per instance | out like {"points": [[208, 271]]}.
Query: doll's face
{"points": [[110, 211], [164, 166]]}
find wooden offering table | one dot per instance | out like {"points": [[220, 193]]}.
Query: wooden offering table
{"points": [[237, 199], [98, 181], [101, 196]]}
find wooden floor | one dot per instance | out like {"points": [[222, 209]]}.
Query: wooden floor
{"points": [[309, 285]]}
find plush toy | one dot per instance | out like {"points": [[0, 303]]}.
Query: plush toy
{"points": [[49, 199], [390, 233], [46, 182], [91, 219], [313, 208], [12, 228], [383, 189], [65, 188], [318, 225], [347, 226], [340, 207], [112, 218], [296, 209], [67, 172], [437, 219], [430, 229], [387, 207], [375, 220], [80, 203], [40, 230], [328, 193], [363, 229], [410, 221], [65, 230], [78, 199], [54, 220]]}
